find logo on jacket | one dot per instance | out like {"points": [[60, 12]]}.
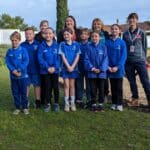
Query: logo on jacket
{"points": [[10, 55], [118, 47], [138, 36], [35, 47], [55, 51], [45, 51], [20, 56], [74, 48]]}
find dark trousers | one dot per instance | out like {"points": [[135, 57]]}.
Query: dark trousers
{"points": [[106, 87], [49, 83], [80, 88], [97, 84], [140, 68], [116, 90], [19, 91]]}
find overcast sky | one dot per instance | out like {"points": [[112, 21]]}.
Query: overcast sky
{"points": [[33, 11]]}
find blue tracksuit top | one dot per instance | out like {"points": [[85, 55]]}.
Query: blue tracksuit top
{"points": [[32, 49], [17, 59], [117, 54], [70, 52], [83, 48], [96, 57], [48, 57]]}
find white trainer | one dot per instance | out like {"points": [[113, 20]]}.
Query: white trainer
{"points": [[73, 107], [66, 108], [119, 108], [16, 112], [26, 111], [113, 107]]}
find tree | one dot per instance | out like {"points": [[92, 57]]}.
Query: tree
{"points": [[62, 13], [8, 22]]}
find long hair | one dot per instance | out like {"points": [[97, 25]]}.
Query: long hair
{"points": [[75, 25]]}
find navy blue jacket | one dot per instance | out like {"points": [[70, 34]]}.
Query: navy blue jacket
{"points": [[117, 54], [48, 57], [32, 49], [96, 57], [83, 48], [17, 59]]}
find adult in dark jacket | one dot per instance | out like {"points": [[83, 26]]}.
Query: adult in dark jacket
{"points": [[40, 36], [70, 23]]}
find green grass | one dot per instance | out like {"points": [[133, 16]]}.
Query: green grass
{"points": [[81, 130]]}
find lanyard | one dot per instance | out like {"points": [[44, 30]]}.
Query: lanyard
{"points": [[133, 39]]}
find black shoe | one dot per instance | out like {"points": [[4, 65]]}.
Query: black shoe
{"points": [[80, 104], [93, 108], [100, 107], [88, 105], [37, 104]]}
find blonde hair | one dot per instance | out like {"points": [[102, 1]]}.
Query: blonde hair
{"points": [[97, 20], [16, 35]]}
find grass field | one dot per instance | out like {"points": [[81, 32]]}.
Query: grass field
{"points": [[81, 130]]}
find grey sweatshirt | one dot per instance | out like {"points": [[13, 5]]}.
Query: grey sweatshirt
{"points": [[136, 43]]}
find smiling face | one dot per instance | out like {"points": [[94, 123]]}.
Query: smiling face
{"points": [[115, 31], [84, 36], [15, 42], [29, 34], [97, 26], [95, 37], [67, 36], [49, 35], [70, 23]]}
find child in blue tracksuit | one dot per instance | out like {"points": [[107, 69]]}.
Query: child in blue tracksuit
{"points": [[33, 67], [69, 51], [17, 60], [49, 69], [96, 65], [82, 75], [117, 53], [98, 25]]}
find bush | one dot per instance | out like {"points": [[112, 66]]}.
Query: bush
{"points": [[3, 49]]}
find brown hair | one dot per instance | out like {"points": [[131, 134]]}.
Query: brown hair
{"points": [[85, 30], [16, 35], [75, 24], [43, 21], [95, 31], [116, 25], [97, 20], [49, 28], [68, 30], [29, 28], [133, 15]]}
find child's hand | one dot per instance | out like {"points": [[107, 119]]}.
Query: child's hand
{"points": [[97, 70], [93, 69], [16, 73], [51, 70], [19, 74], [70, 69], [114, 69], [110, 69]]}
